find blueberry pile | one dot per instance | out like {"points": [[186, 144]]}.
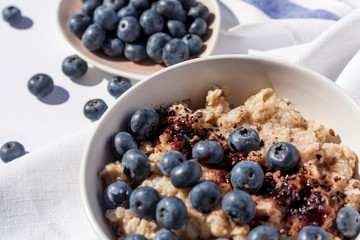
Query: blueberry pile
{"points": [[171, 212], [246, 177], [145, 201], [165, 31]]}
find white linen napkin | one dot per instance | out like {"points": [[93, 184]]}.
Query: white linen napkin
{"points": [[326, 46], [39, 192], [334, 54]]}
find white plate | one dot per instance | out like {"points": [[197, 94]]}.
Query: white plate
{"points": [[120, 66]]}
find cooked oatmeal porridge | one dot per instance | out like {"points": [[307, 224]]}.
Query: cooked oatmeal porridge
{"points": [[311, 194]]}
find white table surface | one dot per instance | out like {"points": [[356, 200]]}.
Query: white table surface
{"points": [[40, 48]]}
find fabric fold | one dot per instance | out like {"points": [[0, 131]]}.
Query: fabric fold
{"points": [[40, 193]]}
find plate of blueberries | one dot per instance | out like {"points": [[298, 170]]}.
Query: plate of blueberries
{"points": [[135, 38]]}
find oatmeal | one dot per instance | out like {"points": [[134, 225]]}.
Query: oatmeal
{"points": [[311, 194]]}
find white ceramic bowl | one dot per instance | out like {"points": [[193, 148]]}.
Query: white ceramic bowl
{"points": [[120, 66], [313, 95]]}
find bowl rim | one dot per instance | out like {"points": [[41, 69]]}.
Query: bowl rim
{"points": [[96, 128], [215, 25]]}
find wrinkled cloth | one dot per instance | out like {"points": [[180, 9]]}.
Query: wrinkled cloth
{"points": [[40, 193], [318, 41]]}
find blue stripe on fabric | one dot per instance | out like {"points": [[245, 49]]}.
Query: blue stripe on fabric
{"points": [[278, 9]]}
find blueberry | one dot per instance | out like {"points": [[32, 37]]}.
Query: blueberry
{"points": [[118, 85], [175, 51], [128, 11], [155, 46], [208, 152], [151, 22], [89, 6], [123, 141], [204, 196], [106, 17], [144, 123], [238, 206], [74, 67], [313, 233], [78, 23], [135, 237], [135, 51], [140, 5], [199, 11], [117, 194], [129, 29], [136, 165], [282, 156], [94, 37], [182, 16], [348, 222], [171, 213], [168, 8], [244, 140], [198, 27], [165, 234], [154, 5], [113, 46], [94, 109], [187, 4], [41, 85], [186, 174], [11, 150], [264, 232], [170, 160], [176, 28], [143, 201], [247, 175], [193, 42], [116, 5], [11, 14]]}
